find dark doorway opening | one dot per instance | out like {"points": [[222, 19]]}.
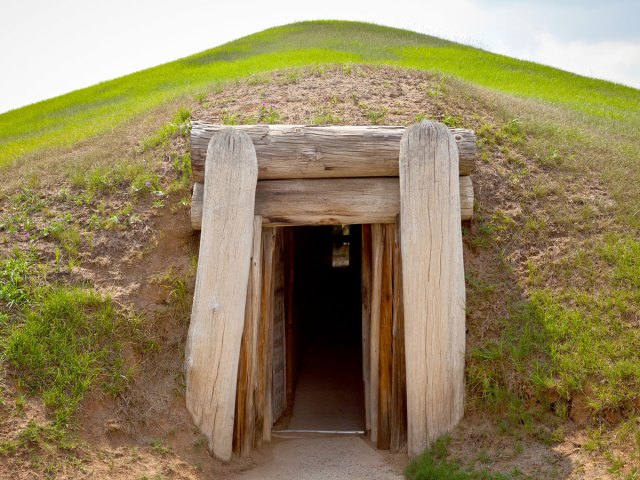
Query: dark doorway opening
{"points": [[324, 338]]}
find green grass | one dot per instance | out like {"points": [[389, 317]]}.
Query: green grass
{"points": [[65, 343], [434, 464], [60, 340], [566, 326], [65, 120]]}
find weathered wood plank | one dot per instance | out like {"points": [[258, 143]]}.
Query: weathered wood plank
{"points": [[197, 200], [433, 283], [330, 202], [244, 428], [399, 386], [385, 355], [365, 285], [297, 151], [377, 249], [291, 345], [279, 401], [217, 318], [265, 339]]}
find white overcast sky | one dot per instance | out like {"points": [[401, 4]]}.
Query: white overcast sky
{"points": [[50, 47]]}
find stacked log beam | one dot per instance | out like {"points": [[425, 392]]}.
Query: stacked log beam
{"points": [[327, 175]]}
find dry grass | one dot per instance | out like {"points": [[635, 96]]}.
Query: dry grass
{"points": [[551, 262]]}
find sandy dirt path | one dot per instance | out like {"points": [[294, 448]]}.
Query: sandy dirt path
{"points": [[327, 458]]}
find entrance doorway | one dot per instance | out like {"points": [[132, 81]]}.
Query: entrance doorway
{"points": [[324, 337]]}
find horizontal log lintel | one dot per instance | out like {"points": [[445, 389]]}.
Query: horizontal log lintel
{"points": [[344, 201], [298, 151]]}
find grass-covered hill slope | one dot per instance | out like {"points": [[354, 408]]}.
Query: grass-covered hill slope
{"points": [[97, 257], [66, 119]]}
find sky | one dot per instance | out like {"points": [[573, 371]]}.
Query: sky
{"points": [[51, 47]]}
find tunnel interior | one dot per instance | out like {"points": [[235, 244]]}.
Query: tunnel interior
{"points": [[324, 335]]}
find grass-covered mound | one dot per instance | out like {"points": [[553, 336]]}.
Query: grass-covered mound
{"points": [[97, 258]]}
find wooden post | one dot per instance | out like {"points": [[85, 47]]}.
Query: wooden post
{"points": [[433, 282], [365, 286], [377, 249], [217, 318], [265, 339], [385, 355], [278, 385], [244, 430], [291, 344], [399, 386]]}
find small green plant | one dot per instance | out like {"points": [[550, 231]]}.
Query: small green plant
{"points": [[268, 114], [483, 457], [20, 402], [375, 115], [318, 70], [178, 287], [200, 441], [14, 279], [159, 448], [326, 117], [550, 159], [229, 118], [291, 77], [451, 121], [255, 80]]}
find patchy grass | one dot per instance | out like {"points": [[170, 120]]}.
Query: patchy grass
{"points": [[434, 464], [376, 115], [66, 342], [552, 271], [325, 116], [267, 114], [180, 125]]}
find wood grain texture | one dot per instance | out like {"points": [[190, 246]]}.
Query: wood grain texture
{"points": [[377, 250], [344, 201], [365, 293], [265, 339], [291, 344], [278, 392], [217, 318], [398, 368], [385, 352], [433, 283], [298, 151], [244, 428]]}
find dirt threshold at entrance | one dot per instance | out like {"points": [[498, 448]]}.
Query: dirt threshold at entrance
{"points": [[326, 457]]}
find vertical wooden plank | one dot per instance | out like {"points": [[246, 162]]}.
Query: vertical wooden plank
{"points": [[278, 391], [289, 255], [245, 417], [398, 386], [385, 355], [217, 318], [433, 282], [377, 248], [365, 286], [263, 389]]}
